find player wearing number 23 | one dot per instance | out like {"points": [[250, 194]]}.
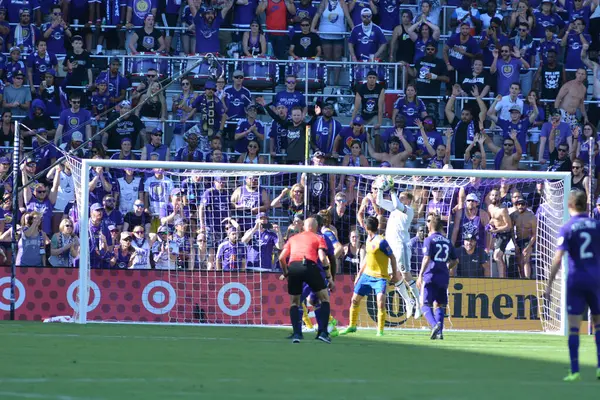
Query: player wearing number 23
{"points": [[579, 238]]}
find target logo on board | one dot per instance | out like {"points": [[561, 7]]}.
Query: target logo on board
{"points": [[93, 297], [5, 294], [230, 297], [159, 297]]}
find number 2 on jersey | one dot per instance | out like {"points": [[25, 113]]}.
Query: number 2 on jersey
{"points": [[587, 240], [442, 253]]}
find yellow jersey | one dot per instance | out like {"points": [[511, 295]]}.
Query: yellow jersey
{"points": [[377, 259]]}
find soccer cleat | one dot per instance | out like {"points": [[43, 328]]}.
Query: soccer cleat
{"points": [[435, 331], [379, 333], [332, 327], [291, 336], [410, 309], [324, 337], [440, 336], [417, 312], [350, 329], [572, 377], [598, 373], [296, 338]]}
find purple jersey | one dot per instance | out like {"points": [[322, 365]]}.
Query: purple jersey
{"points": [[167, 209], [416, 250], [14, 6], [122, 259], [260, 249], [73, 121], [410, 109], [237, 101], [564, 131], [25, 36], [115, 83], [304, 12], [45, 208], [173, 6], [244, 125], [440, 252], [56, 41], [434, 138], [472, 226], [542, 21], [348, 137], [459, 61], [420, 46], [573, 53], [507, 74], [544, 47], [207, 37], [323, 133], [12, 67], [439, 207], [114, 218], [194, 189], [231, 255], [290, 100], [216, 208], [249, 199], [244, 14], [355, 13], [521, 127], [185, 154], [488, 56], [101, 102], [99, 192], [389, 14], [140, 8], [366, 42], [207, 107]]}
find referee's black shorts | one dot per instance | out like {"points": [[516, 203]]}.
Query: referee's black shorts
{"points": [[308, 272]]}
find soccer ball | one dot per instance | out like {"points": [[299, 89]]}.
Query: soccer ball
{"points": [[384, 182]]}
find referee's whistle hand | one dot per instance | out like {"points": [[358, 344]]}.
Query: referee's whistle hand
{"points": [[281, 277]]}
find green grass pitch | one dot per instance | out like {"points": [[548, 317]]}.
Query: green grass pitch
{"points": [[93, 362]]}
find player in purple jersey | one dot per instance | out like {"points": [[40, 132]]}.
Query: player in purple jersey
{"points": [[579, 239], [438, 259]]}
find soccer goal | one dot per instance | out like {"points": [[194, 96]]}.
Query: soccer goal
{"points": [[216, 261]]}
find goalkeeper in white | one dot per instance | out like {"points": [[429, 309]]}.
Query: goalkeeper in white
{"points": [[398, 236]]}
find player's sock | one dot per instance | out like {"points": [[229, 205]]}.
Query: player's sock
{"points": [[597, 336], [428, 314], [323, 318], [296, 319], [439, 317], [353, 315], [380, 320], [412, 285], [306, 318], [574, 349]]}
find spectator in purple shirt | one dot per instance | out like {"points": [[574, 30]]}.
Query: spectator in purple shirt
{"points": [[190, 152], [56, 30], [24, 35], [41, 201], [231, 254], [562, 134], [39, 63], [573, 41], [261, 239], [366, 39], [507, 68], [15, 8], [207, 24], [73, 119], [459, 50], [291, 97]]}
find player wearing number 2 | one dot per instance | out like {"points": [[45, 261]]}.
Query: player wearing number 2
{"points": [[579, 238], [438, 259]]}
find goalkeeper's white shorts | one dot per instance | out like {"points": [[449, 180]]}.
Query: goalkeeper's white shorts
{"points": [[403, 255]]}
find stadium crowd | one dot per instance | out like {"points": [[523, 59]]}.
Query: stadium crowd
{"points": [[494, 85]]}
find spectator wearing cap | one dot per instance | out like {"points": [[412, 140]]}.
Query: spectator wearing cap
{"points": [[472, 259], [75, 143], [237, 97], [41, 200], [14, 64], [231, 253], [517, 121], [156, 150], [559, 131], [370, 100], [546, 16], [207, 23], [114, 237], [52, 94], [101, 183], [212, 113], [324, 131], [38, 63], [157, 189], [136, 216], [73, 119], [100, 103], [128, 127], [509, 155], [248, 129], [367, 39], [17, 97], [416, 249], [182, 106], [525, 234], [117, 83], [24, 34], [78, 65], [320, 187], [190, 152], [460, 49], [165, 251], [355, 131], [249, 200], [123, 253], [37, 119], [64, 246], [291, 97], [147, 38], [261, 240], [112, 215], [471, 219], [56, 31], [305, 44]]}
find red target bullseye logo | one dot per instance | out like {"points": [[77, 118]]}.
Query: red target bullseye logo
{"points": [[234, 299], [5, 294], [94, 296], [159, 297]]}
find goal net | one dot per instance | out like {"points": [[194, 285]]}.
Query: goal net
{"points": [[206, 251]]}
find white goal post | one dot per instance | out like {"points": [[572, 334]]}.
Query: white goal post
{"points": [[558, 310]]}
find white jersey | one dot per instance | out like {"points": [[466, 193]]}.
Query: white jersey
{"points": [[164, 261], [398, 236], [141, 259], [128, 193], [66, 192]]}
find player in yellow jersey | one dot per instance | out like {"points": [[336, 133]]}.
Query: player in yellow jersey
{"points": [[373, 276]]}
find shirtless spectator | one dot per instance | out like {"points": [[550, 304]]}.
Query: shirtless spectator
{"points": [[507, 157], [570, 99], [525, 225], [395, 157], [500, 227]]}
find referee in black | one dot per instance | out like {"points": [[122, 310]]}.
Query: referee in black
{"points": [[304, 251]]}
